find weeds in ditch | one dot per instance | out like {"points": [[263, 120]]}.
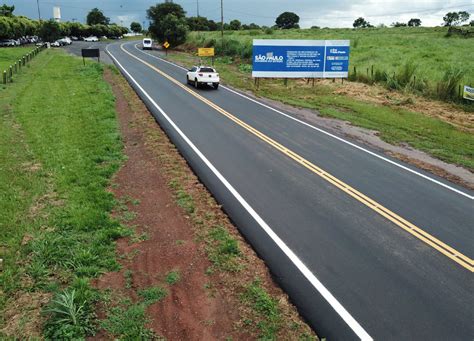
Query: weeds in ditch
{"points": [[152, 295]]}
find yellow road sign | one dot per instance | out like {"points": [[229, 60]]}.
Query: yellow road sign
{"points": [[166, 45], [206, 52]]}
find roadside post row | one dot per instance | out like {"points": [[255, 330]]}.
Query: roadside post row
{"points": [[16, 67]]}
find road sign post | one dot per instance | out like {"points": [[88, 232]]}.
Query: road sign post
{"points": [[90, 53], [166, 45], [206, 52]]}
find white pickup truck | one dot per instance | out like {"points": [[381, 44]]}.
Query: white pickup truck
{"points": [[198, 75]]}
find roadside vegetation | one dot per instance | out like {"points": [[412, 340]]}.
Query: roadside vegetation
{"points": [[395, 123], [59, 147], [414, 59], [11, 55]]}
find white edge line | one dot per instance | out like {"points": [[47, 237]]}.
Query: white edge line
{"points": [[328, 134], [341, 311]]}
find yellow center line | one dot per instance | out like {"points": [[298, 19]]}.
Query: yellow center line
{"points": [[432, 241]]}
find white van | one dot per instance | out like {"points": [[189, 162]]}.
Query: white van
{"points": [[147, 44]]}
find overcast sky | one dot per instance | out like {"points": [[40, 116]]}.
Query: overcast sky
{"points": [[323, 13]]}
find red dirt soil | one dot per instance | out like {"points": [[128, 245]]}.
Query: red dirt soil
{"points": [[187, 312]]}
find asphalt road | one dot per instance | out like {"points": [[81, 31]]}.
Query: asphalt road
{"points": [[366, 246]]}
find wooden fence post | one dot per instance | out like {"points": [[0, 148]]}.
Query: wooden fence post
{"points": [[4, 76]]}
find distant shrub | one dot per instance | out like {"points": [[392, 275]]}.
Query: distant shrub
{"points": [[268, 31], [380, 76], [447, 87], [232, 47], [392, 82], [247, 51], [225, 60], [246, 68], [405, 74], [210, 42]]}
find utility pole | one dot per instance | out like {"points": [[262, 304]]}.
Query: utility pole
{"points": [[39, 13], [222, 25], [197, 3]]}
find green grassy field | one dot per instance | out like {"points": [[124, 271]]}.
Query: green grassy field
{"points": [[59, 147], [395, 124], [9, 55], [391, 50]]}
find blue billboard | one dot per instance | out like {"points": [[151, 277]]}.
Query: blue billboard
{"points": [[300, 58]]}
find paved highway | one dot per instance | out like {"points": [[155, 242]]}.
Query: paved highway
{"points": [[367, 247]]}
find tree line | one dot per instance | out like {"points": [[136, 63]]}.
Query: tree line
{"points": [[450, 19], [13, 27]]}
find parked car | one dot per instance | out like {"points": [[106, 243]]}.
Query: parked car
{"points": [[73, 38], [198, 75], [7, 43], [57, 43], [65, 41], [91, 39]]}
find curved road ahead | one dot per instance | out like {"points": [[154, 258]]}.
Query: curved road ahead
{"points": [[366, 247]]}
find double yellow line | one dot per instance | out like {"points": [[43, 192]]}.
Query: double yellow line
{"points": [[435, 243]]}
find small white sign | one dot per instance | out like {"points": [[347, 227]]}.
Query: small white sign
{"points": [[468, 93]]}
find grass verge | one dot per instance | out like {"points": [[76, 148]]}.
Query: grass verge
{"points": [[396, 125], [8, 56], [59, 147]]}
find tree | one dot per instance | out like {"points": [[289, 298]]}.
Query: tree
{"points": [[168, 23], [213, 26], [471, 23], [450, 18], [50, 30], [463, 16], [361, 23], [161, 10], [235, 25], [198, 24], [287, 20], [415, 22], [136, 27], [96, 17], [455, 18], [6, 11], [5, 28]]}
